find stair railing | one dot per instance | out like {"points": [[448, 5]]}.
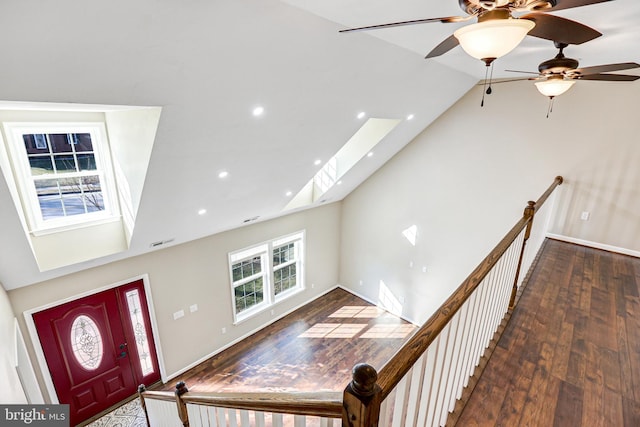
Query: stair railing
{"points": [[421, 383], [276, 409]]}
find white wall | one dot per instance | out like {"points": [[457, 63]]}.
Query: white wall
{"points": [[466, 179], [11, 390], [197, 273]]}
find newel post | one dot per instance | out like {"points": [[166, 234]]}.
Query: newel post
{"points": [[181, 388], [362, 398], [143, 405], [529, 212]]}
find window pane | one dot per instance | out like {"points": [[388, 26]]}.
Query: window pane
{"points": [[237, 272], [74, 205], [257, 265], [65, 163], [247, 268], [86, 162], [284, 254], [249, 294], [92, 193], [40, 165], [285, 278], [60, 143], [35, 143], [82, 141], [51, 206], [45, 187]]}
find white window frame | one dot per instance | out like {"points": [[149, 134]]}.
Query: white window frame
{"points": [[25, 182], [265, 252]]}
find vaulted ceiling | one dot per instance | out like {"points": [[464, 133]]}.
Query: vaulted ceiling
{"points": [[208, 64]]}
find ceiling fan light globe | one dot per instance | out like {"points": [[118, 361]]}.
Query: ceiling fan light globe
{"points": [[553, 87], [493, 38]]}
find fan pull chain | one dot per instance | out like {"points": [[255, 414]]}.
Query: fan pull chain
{"points": [[484, 86], [490, 80], [485, 89], [550, 109]]}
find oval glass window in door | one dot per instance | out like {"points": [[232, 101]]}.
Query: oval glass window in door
{"points": [[86, 342]]}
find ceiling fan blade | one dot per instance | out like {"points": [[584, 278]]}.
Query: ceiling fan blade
{"points": [[567, 4], [445, 46], [525, 72], [446, 19], [596, 69], [609, 77], [561, 30], [482, 82]]}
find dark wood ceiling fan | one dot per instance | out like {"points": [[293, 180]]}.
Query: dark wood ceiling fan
{"points": [[546, 26], [567, 68], [557, 75]]}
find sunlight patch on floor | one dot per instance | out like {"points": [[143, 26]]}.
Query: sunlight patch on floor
{"points": [[388, 331], [333, 330], [358, 311]]}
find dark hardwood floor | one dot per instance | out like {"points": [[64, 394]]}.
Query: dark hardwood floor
{"points": [[570, 355], [311, 349]]}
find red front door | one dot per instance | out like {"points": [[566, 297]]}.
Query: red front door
{"points": [[98, 349]]}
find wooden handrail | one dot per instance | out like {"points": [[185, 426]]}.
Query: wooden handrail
{"points": [[556, 182], [167, 396], [401, 362], [320, 404]]}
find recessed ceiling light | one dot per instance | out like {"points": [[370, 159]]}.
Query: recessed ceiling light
{"points": [[223, 174], [258, 111], [202, 211], [288, 193], [410, 117], [370, 153], [339, 183], [317, 162], [361, 114]]}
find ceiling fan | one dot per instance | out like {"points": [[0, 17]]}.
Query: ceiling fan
{"points": [[557, 75], [497, 31]]}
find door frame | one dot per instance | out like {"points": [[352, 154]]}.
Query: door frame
{"points": [[35, 341]]}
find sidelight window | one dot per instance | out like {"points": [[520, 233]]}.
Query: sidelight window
{"points": [[139, 331]]}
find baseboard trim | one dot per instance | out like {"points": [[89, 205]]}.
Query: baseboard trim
{"points": [[595, 245]]}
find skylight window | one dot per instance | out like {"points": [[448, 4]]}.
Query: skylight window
{"points": [[65, 176], [354, 150], [326, 177]]}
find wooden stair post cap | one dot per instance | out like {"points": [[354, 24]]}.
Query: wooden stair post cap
{"points": [[364, 379]]}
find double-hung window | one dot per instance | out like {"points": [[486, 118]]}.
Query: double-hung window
{"points": [[265, 274], [65, 173]]}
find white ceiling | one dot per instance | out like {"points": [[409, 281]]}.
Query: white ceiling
{"points": [[208, 63]]}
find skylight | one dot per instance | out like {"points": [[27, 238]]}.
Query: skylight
{"points": [[358, 147]]}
